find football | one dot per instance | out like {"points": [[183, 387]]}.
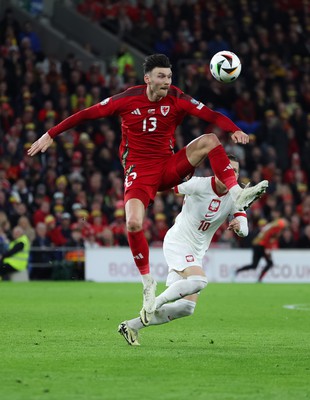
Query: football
{"points": [[225, 66]]}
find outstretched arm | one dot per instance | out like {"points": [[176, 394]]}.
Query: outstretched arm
{"points": [[90, 113], [42, 144]]}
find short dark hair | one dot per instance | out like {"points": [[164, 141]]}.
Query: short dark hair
{"points": [[232, 157], [156, 60]]}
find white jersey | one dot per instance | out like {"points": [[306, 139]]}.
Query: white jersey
{"points": [[203, 212]]}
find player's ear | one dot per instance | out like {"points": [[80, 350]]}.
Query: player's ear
{"points": [[147, 78]]}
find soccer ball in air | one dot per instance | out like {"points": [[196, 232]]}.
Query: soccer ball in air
{"points": [[225, 66]]}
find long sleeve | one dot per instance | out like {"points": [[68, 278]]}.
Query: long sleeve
{"points": [[18, 247], [244, 228], [78, 118]]}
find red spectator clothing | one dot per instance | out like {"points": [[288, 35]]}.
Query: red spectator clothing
{"points": [[13, 172], [44, 114], [39, 216], [118, 227], [98, 229], [95, 78], [268, 236], [56, 237], [86, 229], [159, 232], [147, 127], [245, 110], [102, 221], [290, 175]]}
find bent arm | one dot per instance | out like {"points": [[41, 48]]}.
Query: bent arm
{"points": [[239, 224], [200, 110], [18, 247]]}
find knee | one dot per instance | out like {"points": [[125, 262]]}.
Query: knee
{"points": [[201, 285], [133, 225], [200, 281], [208, 141], [188, 307]]}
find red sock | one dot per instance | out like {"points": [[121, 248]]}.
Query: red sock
{"points": [[140, 251], [221, 166]]}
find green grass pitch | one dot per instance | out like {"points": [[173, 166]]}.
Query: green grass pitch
{"points": [[59, 341]]}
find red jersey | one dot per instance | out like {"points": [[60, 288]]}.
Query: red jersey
{"points": [[268, 236], [148, 127]]}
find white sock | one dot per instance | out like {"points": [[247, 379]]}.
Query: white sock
{"points": [[147, 279], [168, 312], [234, 191], [181, 288]]}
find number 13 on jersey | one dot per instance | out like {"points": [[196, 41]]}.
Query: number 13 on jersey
{"points": [[149, 124]]}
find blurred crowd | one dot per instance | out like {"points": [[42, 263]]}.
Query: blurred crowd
{"points": [[72, 195]]}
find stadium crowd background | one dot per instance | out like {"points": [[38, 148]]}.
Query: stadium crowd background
{"points": [[73, 194]]}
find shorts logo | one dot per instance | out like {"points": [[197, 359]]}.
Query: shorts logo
{"points": [[164, 110], [105, 101], [129, 179], [189, 258]]}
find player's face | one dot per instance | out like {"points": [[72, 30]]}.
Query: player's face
{"points": [[158, 83]]}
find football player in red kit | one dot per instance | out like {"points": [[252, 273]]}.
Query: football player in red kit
{"points": [[263, 243], [150, 114]]}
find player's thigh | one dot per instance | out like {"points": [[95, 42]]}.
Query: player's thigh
{"points": [[193, 297], [135, 211], [190, 271], [198, 149], [180, 256], [142, 183], [176, 168]]}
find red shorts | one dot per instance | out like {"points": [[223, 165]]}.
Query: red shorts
{"points": [[144, 181]]}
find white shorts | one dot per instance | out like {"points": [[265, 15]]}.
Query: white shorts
{"points": [[179, 256]]}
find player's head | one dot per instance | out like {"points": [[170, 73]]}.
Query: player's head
{"points": [[157, 76], [155, 61], [234, 163]]}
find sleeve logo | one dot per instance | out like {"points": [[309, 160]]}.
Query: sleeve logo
{"points": [[105, 101], [195, 102]]}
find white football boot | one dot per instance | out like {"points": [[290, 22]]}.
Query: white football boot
{"points": [[130, 335], [248, 195]]}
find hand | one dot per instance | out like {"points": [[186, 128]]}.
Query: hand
{"points": [[234, 225], [240, 137], [41, 144]]}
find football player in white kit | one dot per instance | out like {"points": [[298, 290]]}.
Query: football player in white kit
{"points": [[207, 205]]}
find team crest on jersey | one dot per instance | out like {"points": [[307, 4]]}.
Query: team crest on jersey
{"points": [[105, 101], [190, 258], [164, 110], [214, 205]]}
